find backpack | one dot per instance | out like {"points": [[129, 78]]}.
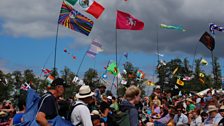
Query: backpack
{"points": [[71, 108], [119, 118], [32, 109]]}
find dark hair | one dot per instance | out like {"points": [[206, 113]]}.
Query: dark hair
{"points": [[21, 105]]}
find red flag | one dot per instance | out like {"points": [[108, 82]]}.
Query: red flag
{"points": [[128, 22]]}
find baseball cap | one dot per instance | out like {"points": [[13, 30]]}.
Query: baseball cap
{"points": [[59, 81]]}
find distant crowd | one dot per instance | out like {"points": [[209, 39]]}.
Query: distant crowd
{"points": [[95, 108]]}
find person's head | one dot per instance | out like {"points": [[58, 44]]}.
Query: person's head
{"points": [[212, 110], [204, 116], [109, 99], [188, 101], [113, 99], [59, 86], [196, 113], [102, 89], [85, 94], [133, 94], [221, 110], [179, 110]]}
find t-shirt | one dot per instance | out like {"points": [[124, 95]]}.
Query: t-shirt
{"points": [[190, 107], [104, 106], [17, 118], [221, 122], [49, 106]]}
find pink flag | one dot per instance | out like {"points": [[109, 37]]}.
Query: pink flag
{"points": [[128, 22]]}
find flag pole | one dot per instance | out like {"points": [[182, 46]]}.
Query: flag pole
{"points": [[213, 68], [195, 53], [81, 63], [55, 50], [116, 59]]}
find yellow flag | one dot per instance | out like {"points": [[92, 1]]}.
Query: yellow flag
{"points": [[204, 62], [180, 82], [150, 83], [201, 75]]}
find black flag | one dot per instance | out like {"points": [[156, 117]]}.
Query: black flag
{"points": [[208, 41]]}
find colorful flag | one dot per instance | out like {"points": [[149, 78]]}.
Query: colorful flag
{"points": [[112, 68], [150, 83], [128, 22], [25, 86], [74, 20], [140, 74], [213, 27], [94, 49], [46, 71], [92, 7], [50, 79], [172, 27], [71, 2], [180, 82], [208, 41], [203, 62]]}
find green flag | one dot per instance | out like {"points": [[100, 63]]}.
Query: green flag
{"points": [[112, 68], [71, 2]]}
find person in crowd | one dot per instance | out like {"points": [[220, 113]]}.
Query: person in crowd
{"points": [[180, 118], [48, 108], [80, 115], [114, 104], [190, 105], [17, 119], [221, 111], [204, 116], [195, 118], [98, 92], [105, 108], [213, 116], [132, 97]]}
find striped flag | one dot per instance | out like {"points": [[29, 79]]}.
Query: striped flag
{"points": [[94, 49], [50, 79], [25, 86]]}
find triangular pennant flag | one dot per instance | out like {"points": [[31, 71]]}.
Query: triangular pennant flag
{"points": [[175, 87], [204, 62], [92, 7], [74, 20], [179, 82], [208, 41], [201, 75], [126, 21], [124, 82]]}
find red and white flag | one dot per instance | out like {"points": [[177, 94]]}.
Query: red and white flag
{"points": [[128, 22], [92, 7], [46, 71]]}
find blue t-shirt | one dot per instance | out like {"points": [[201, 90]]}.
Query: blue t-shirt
{"points": [[17, 118]]}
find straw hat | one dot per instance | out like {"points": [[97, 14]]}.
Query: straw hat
{"points": [[95, 112], [212, 108], [188, 99], [84, 92], [222, 107]]}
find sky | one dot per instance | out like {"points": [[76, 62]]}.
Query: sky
{"points": [[28, 32]]}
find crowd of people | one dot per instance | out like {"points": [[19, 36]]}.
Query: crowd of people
{"points": [[95, 108]]}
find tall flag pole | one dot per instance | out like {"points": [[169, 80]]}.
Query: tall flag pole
{"points": [[55, 51]]}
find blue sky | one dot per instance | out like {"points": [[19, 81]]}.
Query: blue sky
{"points": [[27, 34]]}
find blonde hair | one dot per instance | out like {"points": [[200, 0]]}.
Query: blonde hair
{"points": [[131, 92]]}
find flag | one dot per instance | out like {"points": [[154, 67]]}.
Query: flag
{"points": [[126, 55], [94, 49], [172, 27], [201, 80], [92, 7], [208, 41], [112, 68], [175, 70], [180, 82], [203, 62], [140, 74], [70, 18], [71, 2], [75, 79], [128, 22], [201, 75], [124, 82], [25, 87], [213, 27], [46, 71], [186, 78], [50, 79], [150, 83]]}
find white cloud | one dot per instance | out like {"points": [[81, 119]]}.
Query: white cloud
{"points": [[38, 18]]}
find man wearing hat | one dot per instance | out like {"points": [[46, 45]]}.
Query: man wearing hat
{"points": [[48, 103], [190, 105], [81, 114], [214, 117], [221, 111]]}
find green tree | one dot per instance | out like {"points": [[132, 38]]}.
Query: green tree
{"points": [[91, 78], [217, 74]]}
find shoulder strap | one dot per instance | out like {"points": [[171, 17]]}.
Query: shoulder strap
{"points": [[45, 96], [72, 108]]}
